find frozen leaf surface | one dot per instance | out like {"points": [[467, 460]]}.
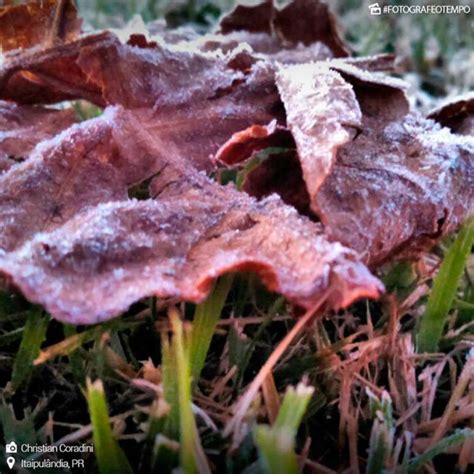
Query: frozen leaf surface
{"points": [[194, 113], [81, 248], [37, 22], [337, 143], [23, 127], [303, 30], [47, 74], [103, 260], [401, 183], [89, 163], [197, 99], [457, 114], [383, 180], [322, 114]]}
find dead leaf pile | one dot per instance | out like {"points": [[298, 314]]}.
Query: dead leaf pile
{"points": [[354, 176]]}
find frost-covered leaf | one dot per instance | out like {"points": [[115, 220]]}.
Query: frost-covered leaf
{"points": [[302, 30], [336, 142], [76, 244], [197, 99], [401, 183], [383, 180], [322, 114], [103, 260], [48, 74], [457, 114], [36, 22], [23, 127], [87, 164], [155, 76]]}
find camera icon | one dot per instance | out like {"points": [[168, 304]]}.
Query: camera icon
{"points": [[11, 447], [375, 9]]}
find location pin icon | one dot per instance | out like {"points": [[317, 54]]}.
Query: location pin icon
{"points": [[10, 461]]}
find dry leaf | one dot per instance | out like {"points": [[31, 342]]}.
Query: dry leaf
{"points": [[47, 75], [457, 114], [23, 127], [346, 150], [225, 92], [401, 183], [87, 253], [382, 180], [37, 22], [303, 30]]}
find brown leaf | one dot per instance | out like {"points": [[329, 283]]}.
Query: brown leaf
{"points": [[23, 127], [90, 163], [161, 76], [457, 114], [253, 139], [38, 22], [280, 174], [46, 75], [346, 150], [101, 261], [307, 22], [401, 183], [322, 114], [198, 100], [89, 261], [383, 180], [278, 32], [252, 18], [226, 93]]}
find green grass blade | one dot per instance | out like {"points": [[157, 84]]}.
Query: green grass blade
{"points": [[33, 336], [186, 418], [180, 424], [444, 290], [110, 458], [155, 426], [170, 388], [293, 408], [205, 319], [276, 449], [192, 458], [22, 431], [381, 436], [380, 448], [276, 444], [164, 454], [456, 438]]}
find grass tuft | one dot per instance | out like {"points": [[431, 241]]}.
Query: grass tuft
{"points": [[177, 388], [276, 444], [381, 437], [206, 316], [444, 290], [110, 458], [34, 333]]}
